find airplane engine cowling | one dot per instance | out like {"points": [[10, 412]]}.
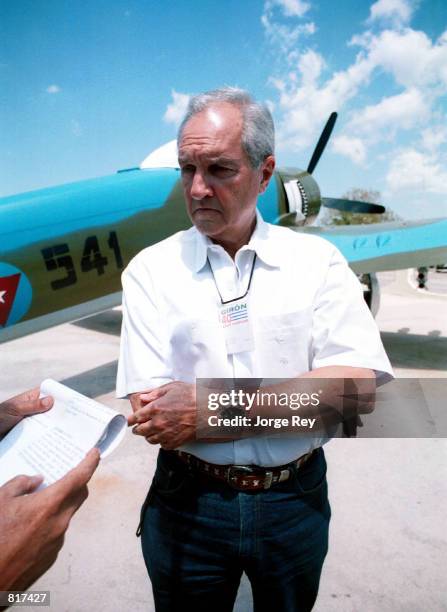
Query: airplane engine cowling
{"points": [[302, 197]]}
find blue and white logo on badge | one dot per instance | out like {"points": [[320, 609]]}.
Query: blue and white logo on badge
{"points": [[16, 294]]}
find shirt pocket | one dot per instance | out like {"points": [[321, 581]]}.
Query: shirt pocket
{"points": [[283, 344], [197, 346]]}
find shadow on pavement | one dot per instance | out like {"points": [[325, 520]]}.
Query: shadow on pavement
{"points": [[108, 322], [95, 382], [416, 351]]}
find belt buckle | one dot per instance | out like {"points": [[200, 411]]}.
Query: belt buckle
{"points": [[268, 480], [232, 473]]}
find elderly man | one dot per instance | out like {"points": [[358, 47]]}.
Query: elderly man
{"points": [[201, 530], [33, 524]]}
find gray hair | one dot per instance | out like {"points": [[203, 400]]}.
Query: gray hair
{"points": [[258, 132]]}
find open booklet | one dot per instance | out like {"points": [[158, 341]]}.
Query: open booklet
{"points": [[52, 443]]}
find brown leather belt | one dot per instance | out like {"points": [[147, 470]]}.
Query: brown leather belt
{"points": [[244, 477]]}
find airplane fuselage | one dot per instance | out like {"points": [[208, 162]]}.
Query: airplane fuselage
{"points": [[62, 249]]}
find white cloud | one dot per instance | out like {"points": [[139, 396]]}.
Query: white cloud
{"points": [[175, 111], [270, 105], [417, 65], [53, 89], [433, 137], [394, 88], [402, 111], [283, 35], [353, 148], [305, 105], [290, 8], [310, 65], [398, 11], [409, 56], [412, 170]]}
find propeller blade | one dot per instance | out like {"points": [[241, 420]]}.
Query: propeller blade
{"points": [[353, 206], [322, 142]]}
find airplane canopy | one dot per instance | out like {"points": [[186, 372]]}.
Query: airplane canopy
{"points": [[163, 157]]}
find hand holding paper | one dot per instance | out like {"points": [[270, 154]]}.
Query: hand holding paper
{"points": [[32, 524], [53, 442], [15, 409]]}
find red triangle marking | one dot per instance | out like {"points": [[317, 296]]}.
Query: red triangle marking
{"points": [[8, 285]]}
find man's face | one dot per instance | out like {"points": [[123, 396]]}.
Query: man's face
{"points": [[219, 184]]}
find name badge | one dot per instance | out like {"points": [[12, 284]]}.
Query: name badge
{"points": [[236, 326]]}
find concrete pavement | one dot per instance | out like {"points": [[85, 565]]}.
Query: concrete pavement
{"points": [[388, 548]]}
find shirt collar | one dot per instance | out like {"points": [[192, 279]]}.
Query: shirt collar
{"points": [[261, 242]]}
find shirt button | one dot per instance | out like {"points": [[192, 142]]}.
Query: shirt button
{"points": [[283, 361], [279, 339]]}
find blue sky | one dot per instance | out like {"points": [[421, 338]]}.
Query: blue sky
{"points": [[87, 88]]}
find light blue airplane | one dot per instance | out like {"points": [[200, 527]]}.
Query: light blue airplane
{"points": [[62, 249]]}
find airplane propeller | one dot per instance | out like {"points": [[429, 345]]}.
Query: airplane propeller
{"points": [[322, 142], [353, 206], [342, 204]]}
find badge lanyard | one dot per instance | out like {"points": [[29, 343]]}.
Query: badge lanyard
{"points": [[234, 319]]}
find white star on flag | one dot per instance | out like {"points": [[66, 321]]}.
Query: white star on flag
{"points": [[2, 293]]}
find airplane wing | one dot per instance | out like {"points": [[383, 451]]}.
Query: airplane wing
{"points": [[388, 246]]}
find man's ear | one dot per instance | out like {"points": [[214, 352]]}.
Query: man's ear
{"points": [[267, 168]]}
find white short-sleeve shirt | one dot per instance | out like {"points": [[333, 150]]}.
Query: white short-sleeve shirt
{"points": [[306, 311]]}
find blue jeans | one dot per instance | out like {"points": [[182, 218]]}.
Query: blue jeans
{"points": [[199, 535]]}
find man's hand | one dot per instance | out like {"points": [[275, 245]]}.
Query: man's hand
{"points": [[166, 415], [13, 410], [32, 524]]}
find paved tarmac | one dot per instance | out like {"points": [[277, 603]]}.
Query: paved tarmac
{"points": [[388, 545]]}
